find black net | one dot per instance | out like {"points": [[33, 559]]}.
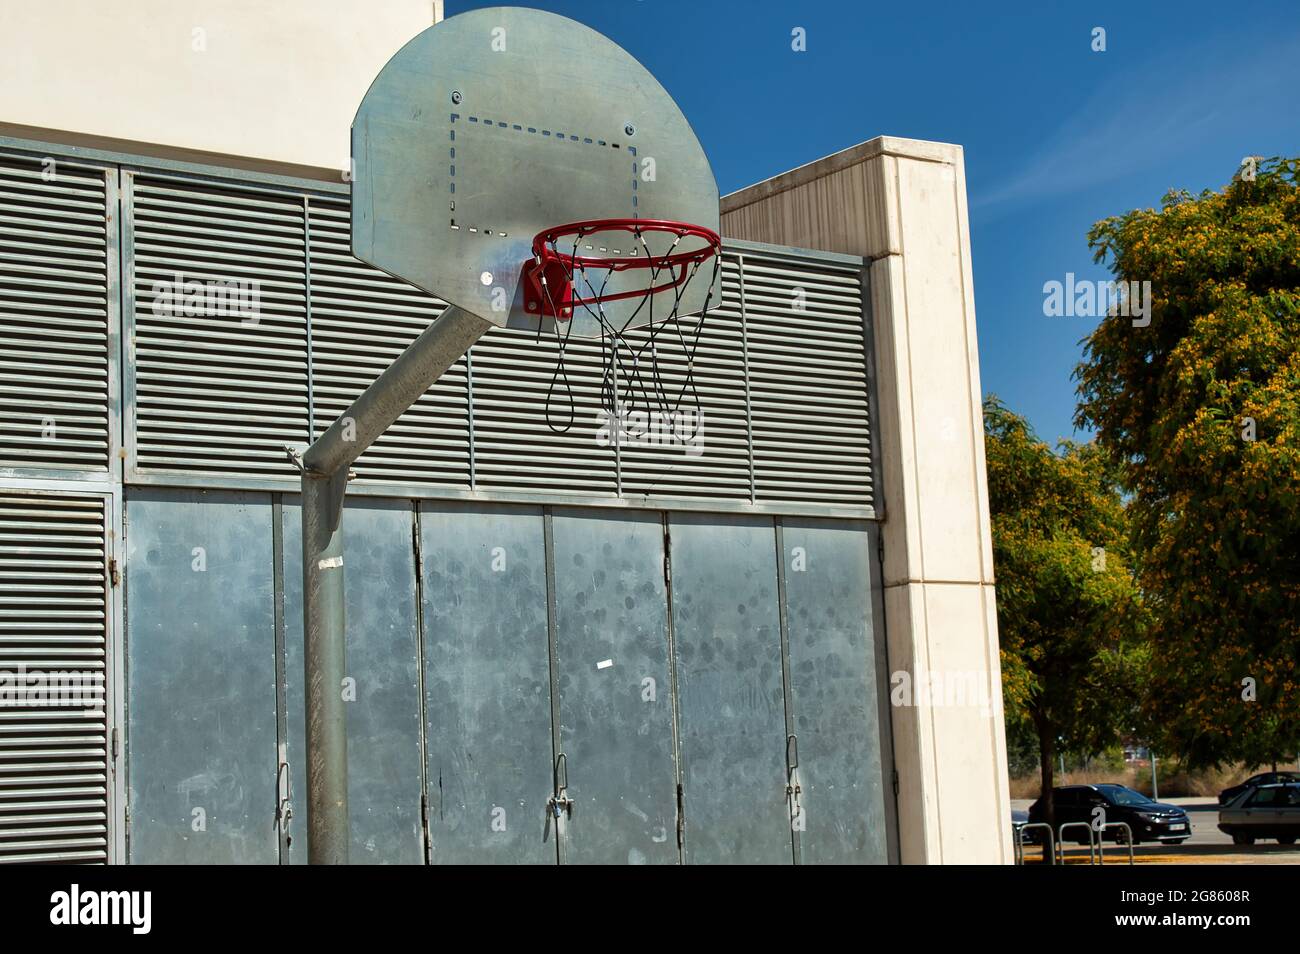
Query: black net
{"points": [[634, 385]]}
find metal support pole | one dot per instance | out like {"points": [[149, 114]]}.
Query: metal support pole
{"points": [[439, 346], [327, 740], [324, 481]]}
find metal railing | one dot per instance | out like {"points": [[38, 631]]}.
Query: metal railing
{"points": [[1128, 839], [1092, 842], [1018, 844]]}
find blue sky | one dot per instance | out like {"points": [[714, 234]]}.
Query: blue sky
{"points": [[1056, 136]]}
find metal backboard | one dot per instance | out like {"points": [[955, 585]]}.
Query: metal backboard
{"points": [[496, 124]]}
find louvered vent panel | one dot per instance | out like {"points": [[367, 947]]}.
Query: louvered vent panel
{"points": [[53, 758], [218, 392], [362, 319], [713, 462], [808, 381], [515, 447], [222, 396], [54, 305]]}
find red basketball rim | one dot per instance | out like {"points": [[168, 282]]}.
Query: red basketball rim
{"points": [[549, 286], [544, 249]]}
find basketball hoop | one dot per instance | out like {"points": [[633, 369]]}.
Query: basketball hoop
{"points": [[588, 264], [548, 279]]}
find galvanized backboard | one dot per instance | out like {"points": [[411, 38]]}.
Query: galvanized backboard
{"points": [[498, 123]]}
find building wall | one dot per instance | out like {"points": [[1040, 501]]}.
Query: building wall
{"points": [[275, 86], [146, 453], [902, 205], [277, 82]]}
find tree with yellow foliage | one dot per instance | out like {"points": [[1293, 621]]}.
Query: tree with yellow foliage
{"points": [[1071, 623], [1201, 411]]}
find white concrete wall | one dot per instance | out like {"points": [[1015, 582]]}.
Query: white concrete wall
{"points": [[902, 205], [273, 80]]}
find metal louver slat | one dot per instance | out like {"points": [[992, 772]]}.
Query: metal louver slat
{"points": [[361, 319], [808, 381], [221, 385], [54, 302], [53, 629], [517, 445], [706, 457]]}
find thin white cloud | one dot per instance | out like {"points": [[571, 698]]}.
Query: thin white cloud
{"points": [[1150, 111]]}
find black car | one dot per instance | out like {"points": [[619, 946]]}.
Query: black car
{"points": [[1264, 778], [1148, 820]]}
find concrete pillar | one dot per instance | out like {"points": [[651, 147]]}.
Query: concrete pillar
{"points": [[902, 205]]}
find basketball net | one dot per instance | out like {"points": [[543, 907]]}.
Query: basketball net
{"points": [[633, 383]]}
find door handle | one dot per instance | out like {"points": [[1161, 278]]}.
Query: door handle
{"points": [[793, 786], [559, 804], [283, 793]]}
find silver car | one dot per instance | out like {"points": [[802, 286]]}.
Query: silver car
{"points": [[1266, 811]]}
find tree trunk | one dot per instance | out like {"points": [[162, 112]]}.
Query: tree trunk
{"points": [[1046, 766]]}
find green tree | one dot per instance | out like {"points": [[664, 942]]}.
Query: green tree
{"points": [[1201, 410], [1070, 618]]}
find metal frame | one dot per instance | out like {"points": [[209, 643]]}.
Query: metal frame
{"points": [[873, 391], [283, 771], [136, 161], [787, 691], [375, 488], [116, 667], [674, 697], [749, 406], [126, 204], [884, 710], [560, 818]]}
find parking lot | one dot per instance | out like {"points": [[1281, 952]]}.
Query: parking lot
{"points": [[1207, 845]]}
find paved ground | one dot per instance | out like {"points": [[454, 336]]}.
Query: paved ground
{"points": [[1207, 845]]}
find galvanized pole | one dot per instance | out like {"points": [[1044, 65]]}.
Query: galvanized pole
{"points": [[327, 740], [324, 479]]}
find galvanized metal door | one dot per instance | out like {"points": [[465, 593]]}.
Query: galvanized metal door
{"points": [[614, 687], [385, 780], [840, 720], [487, 684], [731, 699], [201, 677]]}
